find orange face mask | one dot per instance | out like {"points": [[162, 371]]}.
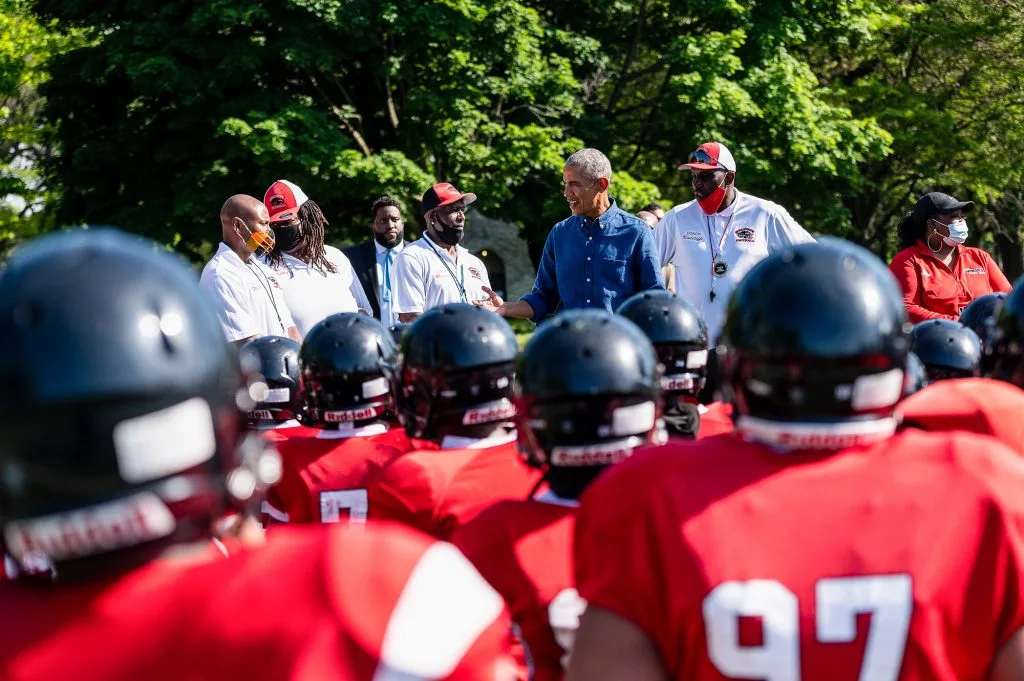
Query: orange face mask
{"points": [[260, 243]]}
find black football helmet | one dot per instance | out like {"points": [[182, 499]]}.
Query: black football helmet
{"points": [[455, 371], [345, 365], [816, 347], [588, 393], [680, 339], [398, 330], [917, 377], [122, 431], [275, 361], [947, 349], [981, 313], [1004, 354]]}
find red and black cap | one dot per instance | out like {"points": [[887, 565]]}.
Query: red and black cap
{"points": [[444, 194]]}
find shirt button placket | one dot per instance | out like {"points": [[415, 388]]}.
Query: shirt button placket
{"points": [[588, 270]]}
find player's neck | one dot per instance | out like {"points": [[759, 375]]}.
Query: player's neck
{"points": [[569, 483], [462, 436]]}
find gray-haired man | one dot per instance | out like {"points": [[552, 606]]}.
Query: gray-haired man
{"points": [[597, 258]]}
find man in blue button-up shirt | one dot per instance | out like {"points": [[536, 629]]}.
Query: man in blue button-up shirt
{"points": [[597, 258]]}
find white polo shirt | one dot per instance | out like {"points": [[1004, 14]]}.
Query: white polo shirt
{"points": [[426, 276], [247, 296], [748, 230], [312, 295]]}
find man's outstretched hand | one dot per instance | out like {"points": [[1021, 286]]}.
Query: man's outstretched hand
{"points": [[493, 302]]}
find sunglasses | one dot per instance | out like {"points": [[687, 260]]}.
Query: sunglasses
{"points": [[701, 156]]}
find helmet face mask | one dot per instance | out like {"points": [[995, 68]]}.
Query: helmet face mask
{"points": [[680, 339]]}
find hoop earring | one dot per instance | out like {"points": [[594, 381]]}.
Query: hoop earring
{"points": [[928, 243]]}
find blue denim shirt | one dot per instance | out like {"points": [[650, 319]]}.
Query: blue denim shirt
{"points": [[595, 263]]}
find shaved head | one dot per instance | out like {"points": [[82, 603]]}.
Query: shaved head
{"points": [[650, 218], [240, 206], [253, 216]]}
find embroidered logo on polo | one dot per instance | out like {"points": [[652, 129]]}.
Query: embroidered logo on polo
{"points": [[745, 235], [693, 236], [975, 270], [475, 272]]}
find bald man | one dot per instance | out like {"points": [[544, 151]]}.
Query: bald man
{"points": [[245, 292], [650, 218]]}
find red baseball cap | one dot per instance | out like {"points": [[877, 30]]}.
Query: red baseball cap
{"points": [[444, 194], [710, 156], [283, 201]]}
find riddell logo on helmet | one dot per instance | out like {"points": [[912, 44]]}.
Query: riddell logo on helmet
{"points": [[350, 415], [489, 413], [602, 454], [89, 531]]}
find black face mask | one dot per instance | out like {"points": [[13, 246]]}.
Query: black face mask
{"points": [[449, 234], [287, 237], [387, 242]]}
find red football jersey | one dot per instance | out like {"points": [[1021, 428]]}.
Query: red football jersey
{"points": [[524, 549], [362, 603], [898, 560], [715, 419], [437, 491], [977, 405], [322, 474], [279, 435]]}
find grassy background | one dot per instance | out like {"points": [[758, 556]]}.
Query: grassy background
{"points": [[523, 329]]}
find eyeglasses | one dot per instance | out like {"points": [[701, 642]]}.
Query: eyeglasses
{"points": [[701, 156]]}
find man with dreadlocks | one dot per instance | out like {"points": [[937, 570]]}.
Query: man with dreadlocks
{"points": [[318, 280]]}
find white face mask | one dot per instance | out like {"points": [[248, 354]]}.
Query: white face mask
{"points": [[957, 232]]}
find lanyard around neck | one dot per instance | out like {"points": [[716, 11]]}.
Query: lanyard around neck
{"points": [[269, 290], [460, 285]]}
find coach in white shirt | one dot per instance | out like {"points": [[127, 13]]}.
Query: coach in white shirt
{"points": [[714, 240], [435, 269], [318, 280], [246, 294]]}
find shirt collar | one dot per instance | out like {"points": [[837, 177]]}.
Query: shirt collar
{"points": [[346, 430], [549, 497], [459, 442], [275, 425], [602, 219], [226, 252], [381, 250]]}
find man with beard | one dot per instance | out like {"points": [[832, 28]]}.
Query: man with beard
{"points": [[718, 237], [374, 260], [435, 270]]}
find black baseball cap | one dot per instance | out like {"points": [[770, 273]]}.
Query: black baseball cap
{"points": [[937, 203]]}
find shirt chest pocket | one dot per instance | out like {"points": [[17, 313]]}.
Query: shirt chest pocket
{"points": [[614, 271]]}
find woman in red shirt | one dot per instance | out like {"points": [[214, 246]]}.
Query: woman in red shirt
{"points": [[938, 274]]}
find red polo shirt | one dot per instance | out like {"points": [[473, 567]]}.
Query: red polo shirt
{"points": [[933, 291]]}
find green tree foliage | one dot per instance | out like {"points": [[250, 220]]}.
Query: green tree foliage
{"points": [[842, 110], [26, 45]]}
